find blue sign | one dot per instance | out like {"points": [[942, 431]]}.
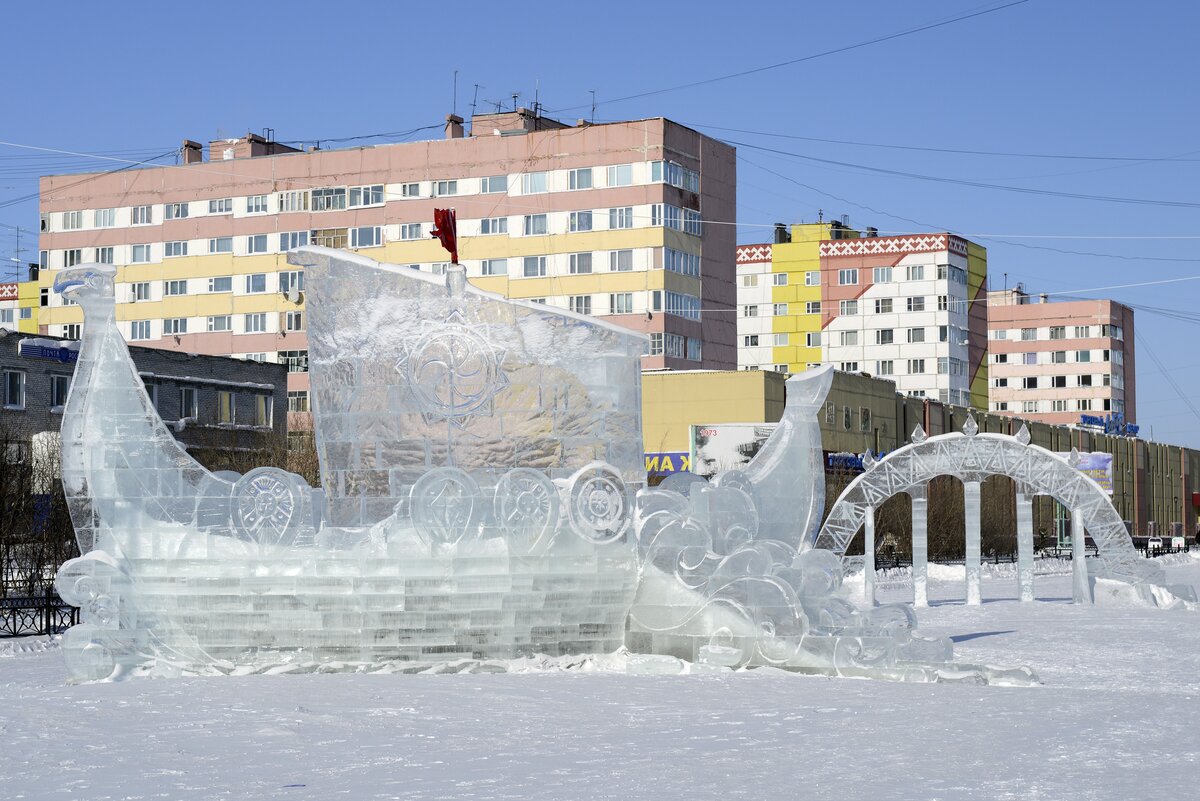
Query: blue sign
{"points": [[666, 463], [847, 461], [31, 350], [1111, 424]]}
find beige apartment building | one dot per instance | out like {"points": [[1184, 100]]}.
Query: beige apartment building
{"points": [[601, 219], [1055, 362]]}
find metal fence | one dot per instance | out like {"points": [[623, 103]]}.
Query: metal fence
{"points": [[24, 613]]}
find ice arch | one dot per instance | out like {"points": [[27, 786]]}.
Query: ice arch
{"points": [[972, 457]]}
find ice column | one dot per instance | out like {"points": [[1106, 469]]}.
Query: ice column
{"points": [[971, 506], [869, 555], [920, 544], [1025, 546], [1079, 572]]}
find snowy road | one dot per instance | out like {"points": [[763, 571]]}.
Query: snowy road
{"points": [[1117, 719]]}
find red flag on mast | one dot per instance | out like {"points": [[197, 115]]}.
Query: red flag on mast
{"points": [[445, 229]]}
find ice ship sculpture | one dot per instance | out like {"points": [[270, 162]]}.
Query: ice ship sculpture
{"points": [[482, 497]]}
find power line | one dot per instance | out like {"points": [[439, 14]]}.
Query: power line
{"points": [[802, 59]]}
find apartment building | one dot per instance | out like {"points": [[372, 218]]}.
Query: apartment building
{"points": [[911, 309], [1054, 362], [604, 220], [18, 312], [779, 297]]}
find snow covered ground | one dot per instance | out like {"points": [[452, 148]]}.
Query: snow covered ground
{"points": [[1116, 718]]}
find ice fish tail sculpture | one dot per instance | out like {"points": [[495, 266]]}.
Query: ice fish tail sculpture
{"points": [[727, 576], [479, 458]]}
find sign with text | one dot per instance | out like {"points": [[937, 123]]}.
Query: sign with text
{"points": [[726, 446], [1098, 467], [664, 463]]}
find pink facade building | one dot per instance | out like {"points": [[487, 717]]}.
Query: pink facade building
{"points": [[604, 219], [1054, 362]]}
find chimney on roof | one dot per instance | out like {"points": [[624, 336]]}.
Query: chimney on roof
{"points": [[1043, 298], [193, 152], [782, 237], [454, 126]]}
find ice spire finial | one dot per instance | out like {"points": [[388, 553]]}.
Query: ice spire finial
{"points": [[970, 428], [1023, 434], [918, 434], [868, 459], [1074, 459]]}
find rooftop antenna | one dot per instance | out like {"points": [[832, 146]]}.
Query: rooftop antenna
{"points": [[537, 84], [593, 91], [474, 98], [454, 96], [515, 95], [820, 215]]}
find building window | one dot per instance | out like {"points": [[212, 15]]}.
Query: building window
{"points": [[848, 367], [104, 255], [620, 175], [296, 360], [884, 367], [915, 272], [1082, 331], [178, 287], [72, 220], [1084, 380], [139, 291], [1000, 333], [750, 311], [220, 322], [882, 275], [143, 215], [683, 305], [580, 304], [410, 231], [620, 217], [750, 341], [580, 263], [676, 347], [292, 239], [1000, 383], [139, 330], [678, 261], [580, 179], [883, 306], [370, 195], [780, 279], [533, 183], [493, 225], [175, 211], [620, 261], [494, 266], [780, 340], [255, 283], [72, 257], [104, 218], [293, 321], [1058, 332], [694, 349], [445, 188], [297, 401], [256, 243], [70, 330], [222, 205], [262, 411], [915, 304], [1058, 382], [174, 326], [916, 335], [535, 224], [14, 389], [885, 336], [1028, 334], [329, 199], [848, 338], [580, 221], [222, 244], [291, 280], [1058, 357], [656, 344], [330, 237], [675, 174], [369, 236], [534, 267], [847, 277], [812, 307], [848, 307], [189, 402], [60, 385], [293, 201], [621, 303], [220, 283], [172, 249], [916, 366], [410, 190], [812, 278], [226, 407], [141, 254], [493, 183], [1085, 404], [812, 339], [1083, 355], [1058, 405], [256, 323], [1029, 382], [779, 310]]}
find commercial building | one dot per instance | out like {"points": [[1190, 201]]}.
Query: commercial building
{"points": [[606, 220], [1156, 486], [208, 402], [1058, 362]]}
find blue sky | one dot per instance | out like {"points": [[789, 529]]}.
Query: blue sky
{"points": [[1042, 77]]}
